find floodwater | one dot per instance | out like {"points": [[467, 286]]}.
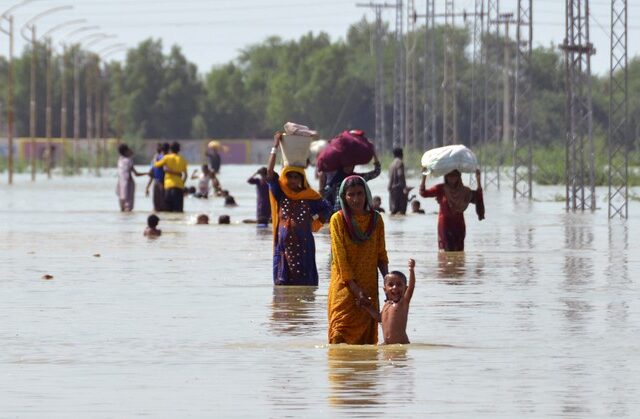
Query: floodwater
{"points": [[540, 317]]}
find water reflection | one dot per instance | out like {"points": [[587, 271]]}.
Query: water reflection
{"points": [[579, 240], [353, 376], [292, 310], [451, 267]]}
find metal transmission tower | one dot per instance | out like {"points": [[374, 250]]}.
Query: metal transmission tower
{"points": [[522, 140], [477, 117], [410, 77], [618, 113], [430, 139], [449, 83], [398, 81], [580, 167], [380, 134], [492, 83]]}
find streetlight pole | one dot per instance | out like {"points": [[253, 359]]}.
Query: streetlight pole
{"points": [[104, 125], [63, 111], [30, 25], [7, 16]]}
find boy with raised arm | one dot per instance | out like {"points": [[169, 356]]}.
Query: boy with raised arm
{"points": [[395, 310]]}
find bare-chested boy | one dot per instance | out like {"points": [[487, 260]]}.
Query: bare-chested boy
{"points": [[395, 310]]}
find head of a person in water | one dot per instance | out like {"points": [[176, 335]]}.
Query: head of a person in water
{"points": [[175, 147], [224, 219], [395, 285], [124, 150], [377, 202], [295, 181], [202, 219], [354, 193], [397, 152], [452, 178], [415, 206], [152, 221]]}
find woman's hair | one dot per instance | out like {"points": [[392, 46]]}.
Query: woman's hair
{"points": [[122, 149], [350, 182]]}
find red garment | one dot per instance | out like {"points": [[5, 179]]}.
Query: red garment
{"points": [[451, 226]]}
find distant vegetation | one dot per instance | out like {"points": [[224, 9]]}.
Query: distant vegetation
{"points": [[326, 84]]}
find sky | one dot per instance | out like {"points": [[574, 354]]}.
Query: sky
{"points": [[212, 32]]}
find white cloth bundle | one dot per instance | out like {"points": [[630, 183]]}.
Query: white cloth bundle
{"points": [[442, 160], [291, 128]]}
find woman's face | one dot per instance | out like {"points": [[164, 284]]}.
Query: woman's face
{"points": [[294, 181], [356, 198]]}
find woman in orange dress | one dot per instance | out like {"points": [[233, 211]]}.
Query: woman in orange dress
{"points": [[358, 250]]}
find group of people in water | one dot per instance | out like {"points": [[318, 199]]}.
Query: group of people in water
{"points": [[358, 250]]}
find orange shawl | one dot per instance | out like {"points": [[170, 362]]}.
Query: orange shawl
{"points": [[306, 193]]}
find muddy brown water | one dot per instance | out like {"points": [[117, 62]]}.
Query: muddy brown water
{"points": [[540, 317]]}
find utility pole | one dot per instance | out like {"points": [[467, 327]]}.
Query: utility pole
{"points": [[430, 139], [63, 105], [76, 105], [580, 164], [506, 19], [619, 146], [380, 136], [89, 107], [475, 128], [48, 116], [492, 84], [450, 81], [398, 80], [32, 103], [10, 76], [410, 78], [523, 137]]}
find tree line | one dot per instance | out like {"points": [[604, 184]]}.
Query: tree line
{"points": [[326, 84]]}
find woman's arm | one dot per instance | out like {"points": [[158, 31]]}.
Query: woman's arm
{"points": [[375, 172], [479, 188], [277, 137], [146, 189]]}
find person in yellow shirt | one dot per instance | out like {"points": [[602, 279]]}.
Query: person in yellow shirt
{"points": [[358, 250], [175, 174]]}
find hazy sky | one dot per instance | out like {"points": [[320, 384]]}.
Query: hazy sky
{"points": [[211, 32]]}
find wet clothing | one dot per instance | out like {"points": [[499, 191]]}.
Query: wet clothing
{"points": [[175, 163], [451, 225], [126, 187], [349, 323], [330, 192], [158, 184], [158, 196], [174, 199], [295, 216], [214, 160], [263, 206], [397, 187]]}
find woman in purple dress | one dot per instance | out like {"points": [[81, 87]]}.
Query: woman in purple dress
{"points": [[297, 211]]}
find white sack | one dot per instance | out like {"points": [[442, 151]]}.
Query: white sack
{"points": [[442, 160]]}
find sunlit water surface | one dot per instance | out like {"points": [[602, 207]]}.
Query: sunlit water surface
{"points": [[540, 317]]}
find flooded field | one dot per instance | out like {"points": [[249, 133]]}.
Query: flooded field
{"points": [[540, 317]]}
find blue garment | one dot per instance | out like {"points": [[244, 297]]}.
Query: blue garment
{"points": [[294, 250], [158, 172]]}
